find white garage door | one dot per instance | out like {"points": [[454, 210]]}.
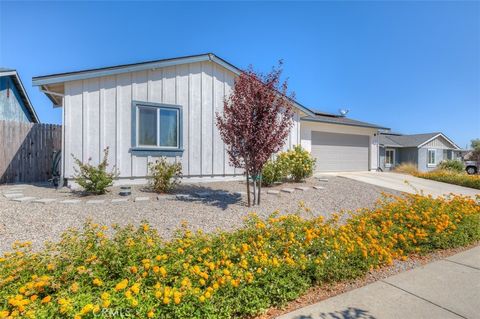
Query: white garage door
{"points": [[340, 152]]}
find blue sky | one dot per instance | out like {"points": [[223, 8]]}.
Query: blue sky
{"points": [[410, 66]]}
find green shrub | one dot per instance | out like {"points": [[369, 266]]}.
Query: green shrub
{"points": [[132, 272], [94, 179], [299, 163], [274, 171], [165, 175], [452, 165]]}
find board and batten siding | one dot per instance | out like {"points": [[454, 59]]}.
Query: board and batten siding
{"points": [[98, 114], [438, 143]]}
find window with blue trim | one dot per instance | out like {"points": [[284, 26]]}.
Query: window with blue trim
{"points": [[157, 126]]}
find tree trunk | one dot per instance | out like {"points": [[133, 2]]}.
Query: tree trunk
{"points": [[254, 190], [248, 186], [259, 187]]}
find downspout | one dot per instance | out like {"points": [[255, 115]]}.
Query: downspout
{"points": [[379, 168]]}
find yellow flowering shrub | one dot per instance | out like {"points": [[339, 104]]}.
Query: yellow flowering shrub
{"points": [[452, 177], [134, 273]]}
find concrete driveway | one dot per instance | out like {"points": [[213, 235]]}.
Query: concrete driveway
{"points": [[448, 288], [408, 183]]}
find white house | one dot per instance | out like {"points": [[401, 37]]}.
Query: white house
{"points": [[167, 108]]}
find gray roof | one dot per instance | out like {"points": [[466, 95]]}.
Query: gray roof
{"points": [[411, 140], [21, 90], [338, 119]]}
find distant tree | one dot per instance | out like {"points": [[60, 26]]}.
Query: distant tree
{"points": [[475, 144], [256, 120]]}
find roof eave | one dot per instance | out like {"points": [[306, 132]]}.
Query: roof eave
{"points": [[347, 124], [434, 137]]}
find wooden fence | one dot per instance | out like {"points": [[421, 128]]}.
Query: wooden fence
{"points": [[26, 151]]}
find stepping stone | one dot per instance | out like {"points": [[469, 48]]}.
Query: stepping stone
{"points": [[119, 200], [19, 188], [318, 187], [183, 196], [302, 188], [141, 199], [203, 194], [223, 193], [273, 192], [323, 179], [13, 195], [44, 200], [23, 199], [70, 201], [96, 201], [288, 190]]}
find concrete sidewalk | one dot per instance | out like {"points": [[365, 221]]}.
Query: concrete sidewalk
{"points": [[448, 288], [413, 185]]}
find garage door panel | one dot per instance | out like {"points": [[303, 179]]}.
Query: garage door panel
{"points": [[340, 152]]}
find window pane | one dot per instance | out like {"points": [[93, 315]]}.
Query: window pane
{"points": [[168, 128], [147, 126]]}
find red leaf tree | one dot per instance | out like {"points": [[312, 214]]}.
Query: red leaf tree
{"points": [[256, 120]]}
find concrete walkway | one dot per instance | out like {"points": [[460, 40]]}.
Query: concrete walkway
{"points": [[397, 182], [448, 288]]}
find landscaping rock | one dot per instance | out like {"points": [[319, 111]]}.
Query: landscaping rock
{"points": [[23, 199], [141, 199], [223, 193], [302, 188], [273, 192], [288, 190], [13, 195], [322, 179], [203, 194], [95, 201], [44, 200], [70, 201], [183, 196], [318, 187], [119, 200]]}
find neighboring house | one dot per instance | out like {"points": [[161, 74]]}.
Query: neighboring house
{"points": [[14, 102], [425, 151], [167, 108]]}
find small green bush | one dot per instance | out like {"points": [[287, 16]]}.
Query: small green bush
{"points": [[274, 171], [299, 162], [94, 179], [165, 175], [452, 165]]}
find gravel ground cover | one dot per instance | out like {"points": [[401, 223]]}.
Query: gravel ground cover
{"points": [[208, 206]]}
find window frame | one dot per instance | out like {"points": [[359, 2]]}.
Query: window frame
{"points": [[434, 164], [156, 149], [392, 164]]}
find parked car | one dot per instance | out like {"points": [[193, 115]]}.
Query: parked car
{"points": [[471, 167]]}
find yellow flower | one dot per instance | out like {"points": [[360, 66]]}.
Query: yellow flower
{"points": [[121, 285], [74, 287], [97, 282], [150, 314], [47, 299]]}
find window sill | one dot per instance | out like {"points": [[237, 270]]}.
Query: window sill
{"points": [[157, 151]]}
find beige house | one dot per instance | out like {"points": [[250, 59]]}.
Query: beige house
{"points": [[167, 108]]}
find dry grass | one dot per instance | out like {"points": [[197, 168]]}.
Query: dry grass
{"points": [[407, 168]]}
